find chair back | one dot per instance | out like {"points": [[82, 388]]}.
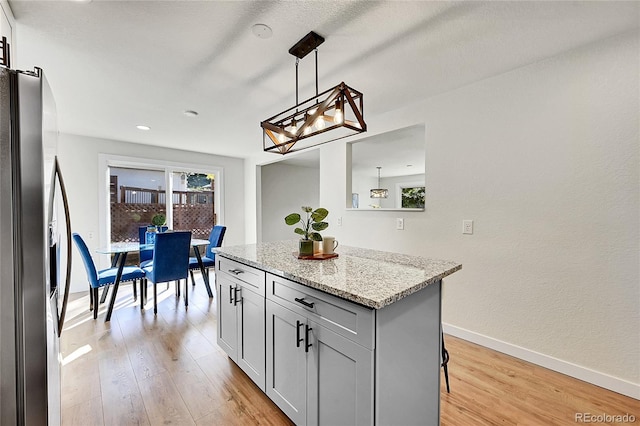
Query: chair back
{"points": [[171, 256], [215, 239], [92, 273], [147, 254]]}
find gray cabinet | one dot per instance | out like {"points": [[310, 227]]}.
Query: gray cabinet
{"points": [[339, 380], [286, 362], [251, 344], [325, 360], [314, 374], [241, 317], [227, 316]]}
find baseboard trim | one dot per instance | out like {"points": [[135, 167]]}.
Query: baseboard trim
{"points": [[579, 372]]}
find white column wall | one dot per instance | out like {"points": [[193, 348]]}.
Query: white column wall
{"points": [[285, 189]]}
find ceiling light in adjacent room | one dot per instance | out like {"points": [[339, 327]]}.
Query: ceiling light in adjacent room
{"points": [[379, 192]]}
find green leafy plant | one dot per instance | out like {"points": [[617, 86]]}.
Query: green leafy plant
{"points": [[159, 219], [413, 197], [311, 225]]}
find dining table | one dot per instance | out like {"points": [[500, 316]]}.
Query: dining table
{"points": [[120, 250]]}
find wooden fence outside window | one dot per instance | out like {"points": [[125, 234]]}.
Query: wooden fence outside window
{"points": [[192, 211]]}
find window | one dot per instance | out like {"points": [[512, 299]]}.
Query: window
{"points": [[410, 195], [193, 203], [413, 197], [139, 198], [135, 194]]}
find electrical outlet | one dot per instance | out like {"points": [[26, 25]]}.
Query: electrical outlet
{"points": [[399, 223], [467, 226], [339, 221]]}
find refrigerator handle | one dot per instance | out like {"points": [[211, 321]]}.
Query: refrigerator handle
{"points": [[67, 218]]}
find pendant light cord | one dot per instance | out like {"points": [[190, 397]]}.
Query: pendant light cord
{"points": [[297, 60], [316, 72]]}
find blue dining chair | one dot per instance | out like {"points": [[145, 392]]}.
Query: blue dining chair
{"points": [[209, 257], [103, 277], [146, 255], [170, 263]]}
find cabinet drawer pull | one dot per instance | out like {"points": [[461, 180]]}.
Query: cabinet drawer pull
{"points": [[230, 294], [298, 339], [235, 295], [304, 302], [236, 271], [307, 345]]}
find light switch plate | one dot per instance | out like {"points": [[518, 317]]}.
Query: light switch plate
{"points": [[400, 223]]}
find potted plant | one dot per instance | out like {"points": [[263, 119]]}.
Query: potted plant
{"points": [[309, 227], [159, 219], [157, 222]]}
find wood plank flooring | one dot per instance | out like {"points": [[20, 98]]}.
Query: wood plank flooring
{"points": [[167, 369]]}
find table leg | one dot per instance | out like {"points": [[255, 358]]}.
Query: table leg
{"points": [[205, 276], [123, 258], [114, 263]]}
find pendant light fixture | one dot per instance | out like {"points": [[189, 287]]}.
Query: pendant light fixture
{"points": [[379, 192], [333, 114]]}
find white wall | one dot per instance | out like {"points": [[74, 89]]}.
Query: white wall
{"points": [[285, 189], [7, 29], [545, 160], [78, 156], [361, 184]]}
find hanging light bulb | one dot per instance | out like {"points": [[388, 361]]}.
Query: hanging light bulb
{"points": [[338, 117], [320, 123], [294, 126], [281, 136]]}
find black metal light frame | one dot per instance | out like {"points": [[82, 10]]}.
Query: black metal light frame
{"points": [[339, 109]]}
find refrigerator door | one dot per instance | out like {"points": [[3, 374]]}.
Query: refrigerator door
{"points": [[28, 337], [58, 250], [8, 267]]}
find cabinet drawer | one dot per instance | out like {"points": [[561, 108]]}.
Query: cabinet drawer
{"points": [[348, 319], [252, 277]]}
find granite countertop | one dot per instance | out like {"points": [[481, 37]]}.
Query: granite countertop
{"points": [[369, 277]]}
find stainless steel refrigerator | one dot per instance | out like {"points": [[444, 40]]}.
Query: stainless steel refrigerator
{"points": [[35, 251]]}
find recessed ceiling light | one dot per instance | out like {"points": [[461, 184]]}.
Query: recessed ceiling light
{"points": [[142, 127], [262, 31], [190, 113], [409, 165]]}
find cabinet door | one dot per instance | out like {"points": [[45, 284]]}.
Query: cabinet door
{"points": [[286, 362], [251, 332], [340, 380], [227, 320]]}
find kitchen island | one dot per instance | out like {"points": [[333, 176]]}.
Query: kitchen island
{"points": [[349, 340]]}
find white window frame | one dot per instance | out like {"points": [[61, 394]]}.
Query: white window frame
{"points": [[105, 161]]}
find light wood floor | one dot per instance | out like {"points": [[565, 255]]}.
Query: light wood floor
{"points": [[141, 369]]}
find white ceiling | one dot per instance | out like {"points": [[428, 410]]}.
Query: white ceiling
{"points": [[398, 153], [115, 64]]}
